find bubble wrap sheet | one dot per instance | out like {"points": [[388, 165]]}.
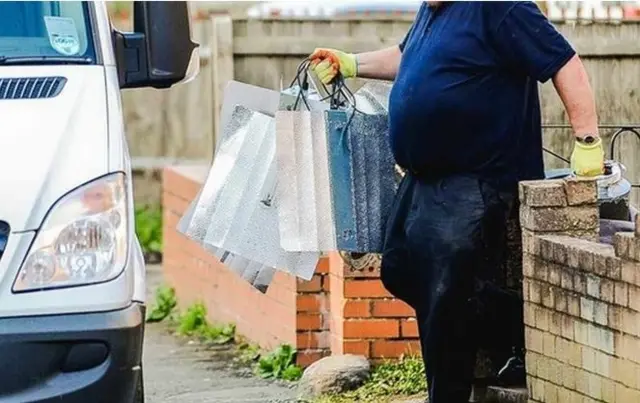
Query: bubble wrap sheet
{"points": [[306, 217], [237, 211], [363, 179]]}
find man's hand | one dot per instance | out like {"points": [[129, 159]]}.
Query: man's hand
{"points": [[326, 63], [587, 158]]}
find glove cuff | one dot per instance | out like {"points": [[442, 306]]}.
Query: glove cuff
{"points": [[585, 146], [356, 62], [352, 69]]}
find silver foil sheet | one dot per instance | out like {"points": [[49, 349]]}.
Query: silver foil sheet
{"points": [[342, 205], [255, 98], [373, 97], [237, 210], [362, 177], [258, 275], [290, 101], [303, 191]]}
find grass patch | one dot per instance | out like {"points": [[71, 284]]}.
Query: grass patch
{"points": [[149, 228], [280, 364], [405, 377], [193, 322], [164, 305]]}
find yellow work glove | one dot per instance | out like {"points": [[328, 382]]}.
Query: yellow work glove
{"points": [[326, 63], [587, 159]]}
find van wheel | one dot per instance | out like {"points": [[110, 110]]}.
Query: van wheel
{"points": [[139, 396]]}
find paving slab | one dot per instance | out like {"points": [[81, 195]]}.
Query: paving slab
{"points": [[179, 371]]}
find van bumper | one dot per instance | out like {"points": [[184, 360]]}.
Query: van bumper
{"points": [[75, 358]]}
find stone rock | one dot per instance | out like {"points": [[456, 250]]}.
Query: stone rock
{"points": [[334, 374]]}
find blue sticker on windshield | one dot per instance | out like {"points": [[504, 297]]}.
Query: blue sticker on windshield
{"points": [[63, 35]]}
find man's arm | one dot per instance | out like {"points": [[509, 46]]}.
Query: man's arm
{"points": [[528, 42], [380, 64], [572, 84]]}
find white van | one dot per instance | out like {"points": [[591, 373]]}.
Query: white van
{"points": [[72, 275]]}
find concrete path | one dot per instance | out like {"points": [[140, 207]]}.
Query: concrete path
{"points": [[177, 371]]}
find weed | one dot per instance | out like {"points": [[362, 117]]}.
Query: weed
{"points": [[192, 320], [149, 228], [218, 334], [280, 364], [164, 305], [194, 323], [248, 353], [405, 377]]}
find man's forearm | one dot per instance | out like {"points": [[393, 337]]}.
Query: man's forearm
{"points": [[572, 85], [380, 64]]}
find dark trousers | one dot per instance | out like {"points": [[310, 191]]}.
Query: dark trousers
{"points": [[445, 242]]}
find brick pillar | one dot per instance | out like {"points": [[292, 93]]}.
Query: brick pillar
{"points": [[582, 328], [365, 318], [312, 316], [559, 207]]}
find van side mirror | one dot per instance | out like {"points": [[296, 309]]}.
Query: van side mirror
{"points": [[160, 53]]}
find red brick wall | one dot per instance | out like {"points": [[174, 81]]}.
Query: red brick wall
{"points": [[312, 306], [372, 322], [268, 319], [338, 311]]}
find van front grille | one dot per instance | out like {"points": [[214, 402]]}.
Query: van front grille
{"points": [[31, 87]]}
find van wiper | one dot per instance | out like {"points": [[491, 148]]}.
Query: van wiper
{"points": [[35, 60]]}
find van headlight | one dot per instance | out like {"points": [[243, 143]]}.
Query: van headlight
{"points": [[83, 239]]}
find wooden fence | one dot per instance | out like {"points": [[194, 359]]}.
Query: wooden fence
{"points": [[180, 123]]}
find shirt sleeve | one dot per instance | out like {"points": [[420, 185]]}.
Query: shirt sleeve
{"points": [[402, 44], [527, 40], [416, 19]]}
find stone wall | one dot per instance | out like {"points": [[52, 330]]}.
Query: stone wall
{"points": [[582, 298]]}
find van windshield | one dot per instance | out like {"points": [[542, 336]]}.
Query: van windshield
{"points": [[53, 31]]}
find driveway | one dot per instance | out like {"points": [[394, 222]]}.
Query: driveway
{"points": [[177, 371]]}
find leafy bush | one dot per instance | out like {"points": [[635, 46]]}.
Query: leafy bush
{"points": [[149, 228]]}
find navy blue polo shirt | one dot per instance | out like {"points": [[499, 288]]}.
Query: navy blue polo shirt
{"points": [[465, 99]]}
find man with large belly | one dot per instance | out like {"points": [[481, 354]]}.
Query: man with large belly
{"points": [[465, 124]]}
